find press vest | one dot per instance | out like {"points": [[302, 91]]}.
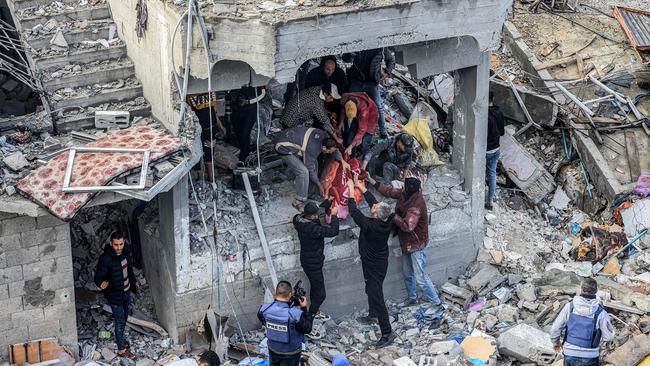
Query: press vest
{"points": [[283, 338], [582, 331]]}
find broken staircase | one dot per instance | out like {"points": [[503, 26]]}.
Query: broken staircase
{"points": [[83, 66]]}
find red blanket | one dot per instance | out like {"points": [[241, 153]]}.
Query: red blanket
{"points": [[335, 183]]}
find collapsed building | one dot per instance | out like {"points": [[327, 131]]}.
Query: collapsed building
{"points": [[94, 56]]}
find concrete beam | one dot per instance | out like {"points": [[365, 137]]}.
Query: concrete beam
{"points": [[439, 56]]}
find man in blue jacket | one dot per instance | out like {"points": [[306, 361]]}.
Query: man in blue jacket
{"points": [[585, 324], [114, 275], [286, 326]]}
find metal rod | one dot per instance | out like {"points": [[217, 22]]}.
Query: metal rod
{"points": [[608, 90], [607, 97], [260, 228], [575, 100]]}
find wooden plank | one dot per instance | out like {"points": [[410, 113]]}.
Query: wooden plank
{"points": [[581, 66], [50, 349], [33, 354], [18, 353], [632, 155], [560, 61]]}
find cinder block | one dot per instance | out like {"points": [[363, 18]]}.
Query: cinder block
{"points": [[11, 274], [40, 269], [44, 329], [19, 334], [52, 250], [22, 256], [10, 242], [58, 281], [49, 221], [26, 317], [5, 324], [11, 305], [60, 312], [17, 289], [17, 225], [4, 292], [112, 119], [28, 239], [62, 233], [45, 236]]}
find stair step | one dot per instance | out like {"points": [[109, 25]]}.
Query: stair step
{"points": [[74, 120], [90, 33], [28, 19], [100, 74], [87, 96], [79, 54], [24, 4]]}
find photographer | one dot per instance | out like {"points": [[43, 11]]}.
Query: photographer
{"points": [[286, 325]]}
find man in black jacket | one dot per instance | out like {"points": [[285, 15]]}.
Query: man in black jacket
{"points": [[373, 250], [114, 275], [367, 73], [328, 71], [496, 129], [312, 234]]}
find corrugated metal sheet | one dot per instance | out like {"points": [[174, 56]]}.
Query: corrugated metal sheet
{"points": [[636, 24]]}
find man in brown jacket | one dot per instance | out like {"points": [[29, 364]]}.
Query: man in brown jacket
{"points": [[412, 223]]}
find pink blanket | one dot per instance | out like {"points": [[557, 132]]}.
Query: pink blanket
{"points": [[43, 185]]}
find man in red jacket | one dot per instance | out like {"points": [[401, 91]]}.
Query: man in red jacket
{"points": [[358, 123], [412, 223]]}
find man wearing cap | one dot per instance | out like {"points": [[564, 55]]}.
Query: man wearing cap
{"points": [[312, 234], [387, 160], [307, 108]]}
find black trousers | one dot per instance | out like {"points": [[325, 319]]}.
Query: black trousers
{"points": [[243, 120], [284, 360], [374, 275], [316, 288]]}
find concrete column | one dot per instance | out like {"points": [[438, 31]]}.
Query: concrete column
{"points": [[470, 111], [174, 231]]}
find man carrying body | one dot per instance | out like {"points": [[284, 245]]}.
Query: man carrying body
{"points": [[114, 275], [300, 147], [308, 106], [412, 223], [312, 234], [373, 249], [585, 324], [286, 326], [496, 129], [366, 74], [387, 160]]}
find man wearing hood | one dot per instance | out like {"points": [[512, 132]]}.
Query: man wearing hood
{"points": [[373, 250], [114, 275], [496, 129], [312, 234], [412, 224], [328, 71], [585, 324]]}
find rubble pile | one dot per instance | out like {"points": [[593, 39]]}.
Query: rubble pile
{"points": [[77, 69], [16, 98], [90, 90]]}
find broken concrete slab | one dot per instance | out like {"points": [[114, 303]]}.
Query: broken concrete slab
{"points": [[524, 170], [541, 108], [445, 347], [631, 352], [483, 277], [456, 295], [526, 291], [560, 199], [15, 161], [59, 40], [526, 344]]}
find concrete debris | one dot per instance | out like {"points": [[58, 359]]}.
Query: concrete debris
{"points": [[16, 161], [526, 344], [59, 40], [631, 352]]}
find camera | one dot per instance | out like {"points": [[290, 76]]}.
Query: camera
{"points": [[298, 292]]}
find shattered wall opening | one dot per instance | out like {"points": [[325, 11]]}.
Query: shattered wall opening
{"points": [[90, 230], [19, 90]]}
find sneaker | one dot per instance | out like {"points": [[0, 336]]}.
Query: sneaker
{"points": [[385, 340], [367, 320], [410, 302], [315, 334], [488, 206], [298, 205]]}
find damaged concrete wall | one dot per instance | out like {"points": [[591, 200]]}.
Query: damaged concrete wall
{"points": [[152, 54], [451, 249], [36, 281]]}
